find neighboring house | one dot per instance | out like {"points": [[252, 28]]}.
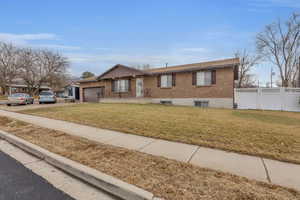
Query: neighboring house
{"points": [[199, 84], [19, 86], [70, 91]]}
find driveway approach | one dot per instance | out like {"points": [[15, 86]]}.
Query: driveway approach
{"points": [[252, 167], [19, 183], [64, 182]]}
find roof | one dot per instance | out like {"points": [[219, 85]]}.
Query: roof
{"points": [[25, 86], [90, 79], [196, 66], [124, 71]]}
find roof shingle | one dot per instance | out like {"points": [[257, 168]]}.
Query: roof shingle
{"points": [[196, 66]]}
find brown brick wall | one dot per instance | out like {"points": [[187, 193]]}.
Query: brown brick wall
{"points": [[183, 89], [107, 92]]}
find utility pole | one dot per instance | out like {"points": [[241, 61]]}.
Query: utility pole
{"points": [[272, 74], [271, 77]]}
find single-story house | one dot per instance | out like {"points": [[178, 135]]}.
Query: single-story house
{"points": [[19, 86], [70, 91], [200, 84]]}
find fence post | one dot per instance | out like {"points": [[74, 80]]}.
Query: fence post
{"points": [[282, 98], [258, 98]]}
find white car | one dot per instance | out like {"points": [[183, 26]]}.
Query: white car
{"points": [[19, 99]]}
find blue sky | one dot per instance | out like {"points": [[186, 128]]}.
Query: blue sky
{"points": [[96, 34]]}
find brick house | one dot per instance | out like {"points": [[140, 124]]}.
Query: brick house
{"points": [[199, 84]]}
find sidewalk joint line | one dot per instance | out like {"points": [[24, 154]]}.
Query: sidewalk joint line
{"points": [[189, 160], [143, 147], [266, 170]]}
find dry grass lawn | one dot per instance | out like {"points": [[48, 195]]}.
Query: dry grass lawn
{"points": [[3, 97], [265, 133], [166, 178]]}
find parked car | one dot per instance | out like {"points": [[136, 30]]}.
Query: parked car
{"points": [[19, 99], [47, 97]]}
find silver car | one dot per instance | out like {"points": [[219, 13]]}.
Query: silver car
{"points": [[19, 99], [47, 97]]}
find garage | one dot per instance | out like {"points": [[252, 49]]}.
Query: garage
{"points": [[93, 94]]}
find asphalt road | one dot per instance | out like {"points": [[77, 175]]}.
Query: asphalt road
{"points": [[19, 183]]}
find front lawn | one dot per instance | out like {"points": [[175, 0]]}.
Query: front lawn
{"points": [[3, 97], [266, 133], [169, 179]]}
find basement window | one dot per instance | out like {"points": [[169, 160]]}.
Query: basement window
{"points": [[201, 104], [166, 102]]}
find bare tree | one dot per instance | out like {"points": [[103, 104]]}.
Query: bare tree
{"points": [[59, 81], [9, 64], [296, 76], [280, 44], [247, 62], [250, 81], [42, 67]]}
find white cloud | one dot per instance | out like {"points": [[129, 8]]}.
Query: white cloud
{"points": [[26, 40], [195, 49], [131, 59], [98, 63], [23, 39], [57, 47]]}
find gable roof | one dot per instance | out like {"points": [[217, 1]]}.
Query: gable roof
{"points": [[196, 66], [120, 71]]}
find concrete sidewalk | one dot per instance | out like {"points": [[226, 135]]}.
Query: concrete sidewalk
{"points": [[252, 167]]}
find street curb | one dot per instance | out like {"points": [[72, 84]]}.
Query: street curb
{"points": [[96, 178]]}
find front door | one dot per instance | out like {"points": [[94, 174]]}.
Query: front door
{"points": [[139, 87]]}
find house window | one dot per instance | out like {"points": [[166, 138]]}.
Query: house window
{"points": [[121, 85], [165, 102], [70, 91], [166, 81], [202, 104], [204, 78]]}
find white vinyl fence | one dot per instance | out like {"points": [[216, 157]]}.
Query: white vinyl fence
{"points": [[287, 99]]}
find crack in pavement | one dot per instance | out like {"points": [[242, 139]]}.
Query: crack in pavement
{"points": [[266, 170]]}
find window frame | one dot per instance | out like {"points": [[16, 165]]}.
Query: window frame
{"points": [[119, 87], [201, 103], [204, 77], [169, 81]]}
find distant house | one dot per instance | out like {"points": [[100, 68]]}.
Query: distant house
{"points": [[19, 86], [70, 91], [199, 84]]}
